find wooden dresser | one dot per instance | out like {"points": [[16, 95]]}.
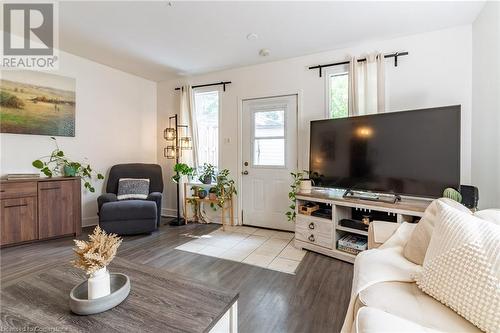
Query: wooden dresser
{"points": [[39, 209]]}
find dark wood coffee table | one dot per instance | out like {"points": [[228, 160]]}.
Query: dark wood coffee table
{"points": [[159, 301]]}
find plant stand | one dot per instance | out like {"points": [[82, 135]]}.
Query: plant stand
{"points": [[190, 199]]}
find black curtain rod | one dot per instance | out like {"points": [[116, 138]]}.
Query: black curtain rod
{"points": [[392, 55], [222, 83]]}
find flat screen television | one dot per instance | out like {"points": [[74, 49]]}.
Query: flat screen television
{"points": [[413, 153]]}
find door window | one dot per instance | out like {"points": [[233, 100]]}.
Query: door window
{"points": [[269, 138]]}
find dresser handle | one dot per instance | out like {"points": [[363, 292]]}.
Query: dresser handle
{"points": [[51, 188], [311, 225], [2, 190], [311, 238], [12, 206]]}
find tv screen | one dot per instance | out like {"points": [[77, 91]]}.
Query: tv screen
{"points": [[414, 153]]}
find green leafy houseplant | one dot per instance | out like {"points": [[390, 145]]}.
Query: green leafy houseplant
{"points": [[292, 195], [57, 164], [224, 189], [207, 173], [182, 169]]}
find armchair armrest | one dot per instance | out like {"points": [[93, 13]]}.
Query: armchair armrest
{"points": [[104, 198], [379, 232], [156, 197]]}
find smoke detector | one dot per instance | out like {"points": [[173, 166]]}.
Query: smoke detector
{"points": [[252, 36], [264, 52]]}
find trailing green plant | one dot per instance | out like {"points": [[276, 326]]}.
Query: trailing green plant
{"points": [[182, 169], [224, 189], [57, 164], [207, 173], [291, 214]]}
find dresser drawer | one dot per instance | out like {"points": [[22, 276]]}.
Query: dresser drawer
{"points": [[314, 237], [18, 220], [18, 189], [314, 224]]}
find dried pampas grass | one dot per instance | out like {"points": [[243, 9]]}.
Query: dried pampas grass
{"points": [[96, 253]]}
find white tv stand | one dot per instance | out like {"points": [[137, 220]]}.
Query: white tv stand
{"points": [[320, 234]]}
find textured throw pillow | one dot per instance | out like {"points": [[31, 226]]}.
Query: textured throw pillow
{"points": [[133, 188], [416, 247], [462, 267]]}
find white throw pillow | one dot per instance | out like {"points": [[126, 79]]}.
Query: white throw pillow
{"points": [[418, 243], [462, 267]]}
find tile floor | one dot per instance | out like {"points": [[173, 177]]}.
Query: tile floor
{"points": [[259, 247]]}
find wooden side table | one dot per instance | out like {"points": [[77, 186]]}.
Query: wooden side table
{"points": [[190, 198]]}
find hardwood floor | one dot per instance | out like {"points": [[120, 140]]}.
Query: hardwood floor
{"points": [[314, 300]]}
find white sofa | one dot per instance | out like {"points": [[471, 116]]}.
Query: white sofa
{"points": [[385, 298]]}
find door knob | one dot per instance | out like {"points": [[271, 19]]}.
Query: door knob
{"points": [[245, 172]]}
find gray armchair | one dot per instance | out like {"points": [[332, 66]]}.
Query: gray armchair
{"points": [[127, 217]]}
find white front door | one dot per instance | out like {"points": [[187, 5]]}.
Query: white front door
{"points": [[269, 151]]}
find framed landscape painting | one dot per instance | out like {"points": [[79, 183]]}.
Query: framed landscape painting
{"points": [[37, 103]]}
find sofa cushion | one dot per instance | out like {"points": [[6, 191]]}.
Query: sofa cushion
{"points": [[405, 300], [373, 320], [418, 243], [462, 267], [128, 210]]}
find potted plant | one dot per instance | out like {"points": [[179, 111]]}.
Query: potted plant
{"points": [[58, 164], [224, 189], [207, 173], [182, 169]]}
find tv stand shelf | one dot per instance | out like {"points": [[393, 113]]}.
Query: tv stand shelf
{"points": [[321, 235]]}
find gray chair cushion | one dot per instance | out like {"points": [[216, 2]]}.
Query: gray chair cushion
{"points": [[128, 210]]}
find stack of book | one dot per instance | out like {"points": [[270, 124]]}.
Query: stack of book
{"points": [[352, 244], [14, 176]]}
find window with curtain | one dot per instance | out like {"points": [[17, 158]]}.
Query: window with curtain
{"points": [[337, 86], [206, 107]]}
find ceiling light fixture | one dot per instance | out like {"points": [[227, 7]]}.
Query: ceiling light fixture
{"points": [[264, 52], [252, 36]]}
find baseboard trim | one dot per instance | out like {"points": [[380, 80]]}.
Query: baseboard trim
{"points": [[90, 221], [170, 212]]}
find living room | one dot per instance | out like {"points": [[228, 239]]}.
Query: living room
{"points": [[201, 138]]}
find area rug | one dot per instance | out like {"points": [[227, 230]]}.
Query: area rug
{"points": [[254, 246]]}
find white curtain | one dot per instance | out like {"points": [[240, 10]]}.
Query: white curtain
{"points": [[367, 85], [187, 116]]}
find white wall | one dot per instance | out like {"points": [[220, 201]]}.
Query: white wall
{"points": [[115, 123], [437, 72], [486, 105]]}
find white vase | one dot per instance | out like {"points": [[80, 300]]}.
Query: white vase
{"points": [[305, 186], [99, 284]]}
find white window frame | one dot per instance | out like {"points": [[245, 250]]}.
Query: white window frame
{"points": [[219, 116], [269, 108], [332, 71]]}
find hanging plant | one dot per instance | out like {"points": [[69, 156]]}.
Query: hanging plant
{"points": [[57, 164], [292, 195]]}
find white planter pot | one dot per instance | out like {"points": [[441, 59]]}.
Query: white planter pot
{"points": [[99, 284], [305, 186]]}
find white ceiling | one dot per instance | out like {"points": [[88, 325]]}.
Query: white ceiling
{"points": [[159, 40]]}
